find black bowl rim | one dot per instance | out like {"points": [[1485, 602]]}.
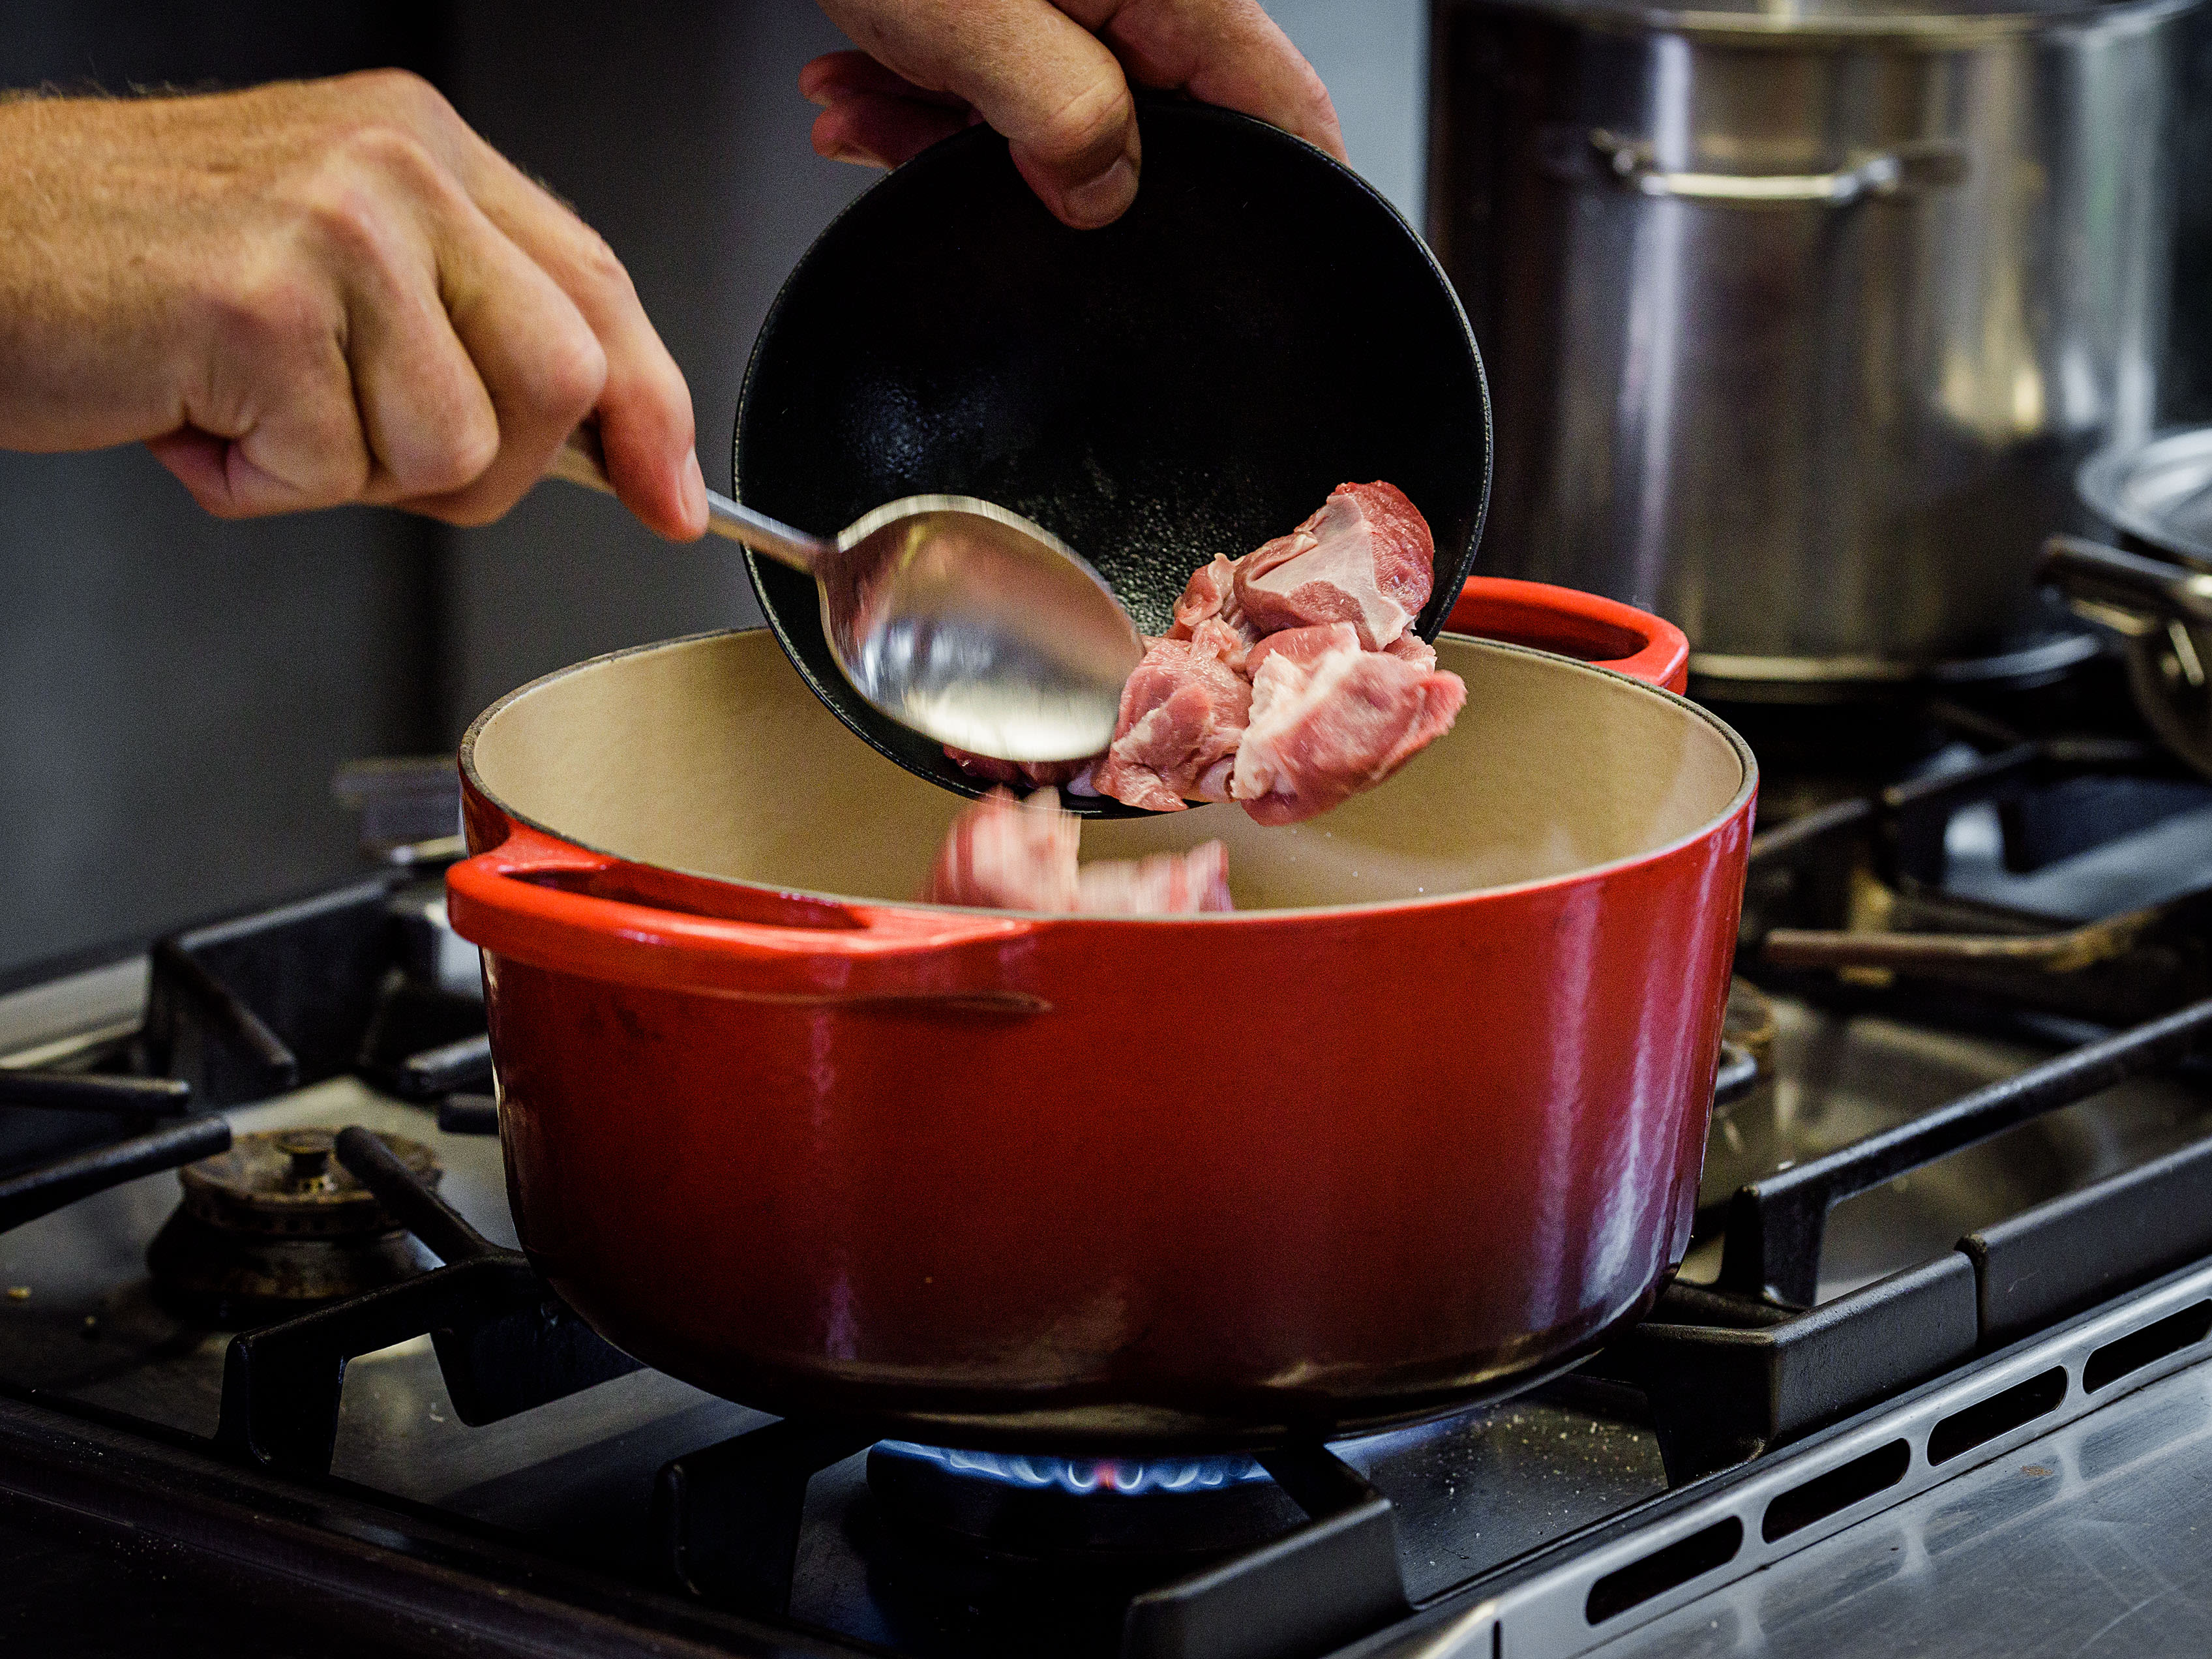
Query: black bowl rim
{"points": [[851, 709]]}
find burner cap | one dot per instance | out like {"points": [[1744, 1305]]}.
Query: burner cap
{"points": [[276, 1225], [287, 1183]]}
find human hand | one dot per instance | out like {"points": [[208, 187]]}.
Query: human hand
{"points": [[320, 291], [1054, 78]]}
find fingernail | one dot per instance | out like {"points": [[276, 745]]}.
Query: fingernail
{"points": [[695, 489], [1099, 201]]}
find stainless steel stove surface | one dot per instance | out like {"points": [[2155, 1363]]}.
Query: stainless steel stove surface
{"points": [[1989, 1434]]}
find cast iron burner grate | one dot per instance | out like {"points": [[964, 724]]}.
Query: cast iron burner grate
{"points": [[1843, 902], [365, 979], [348, 980]]}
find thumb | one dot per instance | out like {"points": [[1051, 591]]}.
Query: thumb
{"points": [[1035, 74]]}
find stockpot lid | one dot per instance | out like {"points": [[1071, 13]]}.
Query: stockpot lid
{"points": [[2159, 492], [1904, 21]]}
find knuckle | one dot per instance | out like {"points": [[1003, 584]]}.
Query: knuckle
{"points": [[472, 451], [410, 97], [574, 373], [464, 452], [356, 202], [391, 153], [280, 311], [1087, 130], [348, 217], [600, 264]]}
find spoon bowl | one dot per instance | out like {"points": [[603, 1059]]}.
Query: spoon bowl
{"points": [[976, 628]]}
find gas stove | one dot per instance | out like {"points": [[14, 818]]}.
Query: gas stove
{"points": [[1933, 1377]]}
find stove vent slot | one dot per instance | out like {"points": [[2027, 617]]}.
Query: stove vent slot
{"points": [[2153, 1342], [1835, 1491], [1663, 1569], [2001, 1413]]}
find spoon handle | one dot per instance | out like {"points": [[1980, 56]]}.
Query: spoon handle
{"points": [[581, 461]]}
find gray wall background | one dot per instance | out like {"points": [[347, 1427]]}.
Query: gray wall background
{"points": [[175, 692]]}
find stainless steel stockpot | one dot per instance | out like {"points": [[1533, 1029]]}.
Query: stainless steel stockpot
{"points": [[1799, 318]]}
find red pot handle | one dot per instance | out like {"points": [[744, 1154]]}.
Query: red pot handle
{"points": [[1602, 632], [539, 900]]}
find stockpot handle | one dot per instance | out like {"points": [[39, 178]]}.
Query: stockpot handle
{"points": [[2125, 591], [520, 900], [1890, 173], [1601, 632]]}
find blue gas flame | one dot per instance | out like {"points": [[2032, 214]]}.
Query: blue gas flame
{"points": [[1086, 1475]]}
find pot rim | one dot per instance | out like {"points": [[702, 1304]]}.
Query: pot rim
{"points": [[1929, 31], [1740, 802], [2102, 480]]}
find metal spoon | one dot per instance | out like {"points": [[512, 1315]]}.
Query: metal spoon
{"points": [[956, 618]]}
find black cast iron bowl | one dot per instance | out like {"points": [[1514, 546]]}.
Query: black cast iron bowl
{"points": [[1193, 379]]}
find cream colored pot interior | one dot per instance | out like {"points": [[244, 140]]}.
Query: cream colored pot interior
{"points": [[710, 755]]}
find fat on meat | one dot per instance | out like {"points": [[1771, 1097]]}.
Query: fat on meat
{"points": [[1208, 613], [1366, 557], [1329, 720], [1004, 854], [1182, 715]]}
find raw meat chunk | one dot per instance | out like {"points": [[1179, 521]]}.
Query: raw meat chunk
{"points": [[1210, 596], [1305, 645], [1210, 587], [1414, 649], [1290, 680], [1328, 722], [1166, 883], [1182, 712], [1216, 638], [1365, 558], [1001, 855]]}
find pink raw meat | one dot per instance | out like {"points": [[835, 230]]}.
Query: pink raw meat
{"points": [[1414, 649], [1001, 855], [1004, 855], [1166, 883], [1182, 712], [1290, 680], [1305, 645], [1209, 604], [1365, 558], [1328, 722]]}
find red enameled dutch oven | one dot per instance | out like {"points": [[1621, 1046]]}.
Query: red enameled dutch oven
{"points": [[1420, 1122]]}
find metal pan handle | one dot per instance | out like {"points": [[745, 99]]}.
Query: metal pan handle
{"points": [[2164, 612], [1888, 174], [2125, 591]]}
